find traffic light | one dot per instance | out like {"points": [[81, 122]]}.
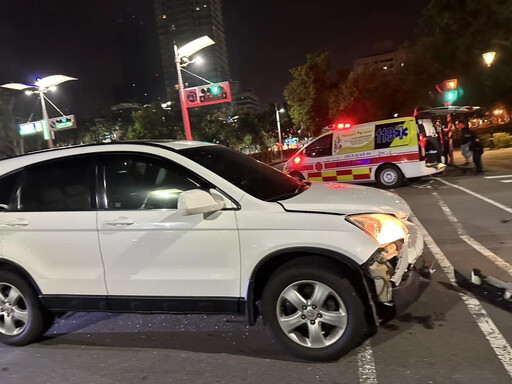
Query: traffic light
{"points": [[450, 96], [208, 94], [449, 91], [213, 92]]}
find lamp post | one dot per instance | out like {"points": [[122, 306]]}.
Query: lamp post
{"points": [[280, 144], [182, 54], [41, 86]]}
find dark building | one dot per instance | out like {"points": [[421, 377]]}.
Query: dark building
{"points": [[141, 67], [181, 21]]}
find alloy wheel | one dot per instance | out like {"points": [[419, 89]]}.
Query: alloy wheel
{"points": [[311, 314], [14, 314]]}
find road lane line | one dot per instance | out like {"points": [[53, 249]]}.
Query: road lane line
{"points": [[468, 239], [498, 343], [497, 177], [506, 181], [366, 364], [490, 201]]}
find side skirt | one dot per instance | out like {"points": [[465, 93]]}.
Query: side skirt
{"points": [[144, 304]]}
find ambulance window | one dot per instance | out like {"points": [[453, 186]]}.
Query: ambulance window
{"points": [[320, 147]]}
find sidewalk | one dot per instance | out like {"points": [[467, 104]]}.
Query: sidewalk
{"points": [[493, 160]]}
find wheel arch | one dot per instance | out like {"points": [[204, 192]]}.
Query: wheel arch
{"points": [[9, 265], [264, 269]]}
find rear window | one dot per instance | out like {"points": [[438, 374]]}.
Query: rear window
{"points": [[62, 185]]}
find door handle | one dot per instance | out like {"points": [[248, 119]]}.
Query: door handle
{"points": [[120, 222], [16, 223]]}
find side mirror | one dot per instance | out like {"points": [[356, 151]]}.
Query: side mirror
{"points": [[196, 201]]}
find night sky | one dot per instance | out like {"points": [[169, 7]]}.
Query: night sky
{"points": [[265, 39]]}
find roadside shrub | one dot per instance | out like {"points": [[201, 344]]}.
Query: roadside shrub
{"points": [[502, 140], [486, 140]]}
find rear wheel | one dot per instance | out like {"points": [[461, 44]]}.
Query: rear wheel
{"points": [[389, 176], [313, 312], [22, 317]]}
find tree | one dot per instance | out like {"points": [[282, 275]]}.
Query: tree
{"points": [[154, 122], [10, 143], [455, 34], [372, 95], [308, 94]]}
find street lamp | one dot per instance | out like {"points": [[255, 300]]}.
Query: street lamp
{"points": [[41, 86], [280, 144], [182, 54], [489, 57]]}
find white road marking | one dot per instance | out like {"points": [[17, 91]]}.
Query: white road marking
{"points": [[498, 343], [506, 181], [468, 239], [486, 199], [366, 364], [497, 177]]}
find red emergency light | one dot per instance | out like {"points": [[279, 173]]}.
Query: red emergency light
{"points": [[297, 160], [343, 125]]}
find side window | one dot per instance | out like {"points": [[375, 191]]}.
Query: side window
{"points": [[143, 182], [61, 185], [7, 185], [320, 147]]}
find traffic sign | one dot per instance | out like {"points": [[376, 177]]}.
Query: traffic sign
{"points": [[30, 128], [208, 94], [63, 122]]}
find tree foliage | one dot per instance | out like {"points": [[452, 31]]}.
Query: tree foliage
{"points": [[154, 122], [308, 93], [9, 138]]}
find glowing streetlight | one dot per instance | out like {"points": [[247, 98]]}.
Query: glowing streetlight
{"points": [[489, 57], [41, 86]]}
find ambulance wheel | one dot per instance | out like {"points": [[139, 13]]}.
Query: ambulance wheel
{"points": [[389, 176], [297, 175]]}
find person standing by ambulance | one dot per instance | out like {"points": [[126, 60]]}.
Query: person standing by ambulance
{"points": [[467, 137], [448, 140]]}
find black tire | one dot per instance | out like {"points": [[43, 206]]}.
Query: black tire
{"points": [[389, 176], [343, 339], [297, 175], [37, 317]]}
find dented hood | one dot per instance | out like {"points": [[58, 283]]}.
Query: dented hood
{"points": [[347, 199]]}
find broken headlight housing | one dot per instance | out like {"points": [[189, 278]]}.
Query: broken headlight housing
{"points": [[388, 264], [383, 228]]}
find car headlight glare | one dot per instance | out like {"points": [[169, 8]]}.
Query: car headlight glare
{"points": [[382, 227]]}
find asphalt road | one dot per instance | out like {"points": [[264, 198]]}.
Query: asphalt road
{"points": [[447, 336]]}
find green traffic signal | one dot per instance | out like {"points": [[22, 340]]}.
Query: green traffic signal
{"points": [[450, 96], [215, 90]]}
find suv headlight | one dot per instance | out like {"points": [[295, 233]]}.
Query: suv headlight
{"points": [[383, 228]]}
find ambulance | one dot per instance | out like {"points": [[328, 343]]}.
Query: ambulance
{"points": [[386, 152]]}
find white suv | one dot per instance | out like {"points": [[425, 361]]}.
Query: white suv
{"points": [[187, 227]]}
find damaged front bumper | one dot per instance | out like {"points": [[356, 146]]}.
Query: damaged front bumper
{"points": [[396, 275]]}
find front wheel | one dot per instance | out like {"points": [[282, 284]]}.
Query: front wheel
{"points": [[22, 317], [313, 312], [389, 176]]}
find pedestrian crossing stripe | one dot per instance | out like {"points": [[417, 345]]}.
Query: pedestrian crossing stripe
{"points": [[342, 175]]}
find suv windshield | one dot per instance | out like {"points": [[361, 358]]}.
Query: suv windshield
{"points": [[251, 176]]}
